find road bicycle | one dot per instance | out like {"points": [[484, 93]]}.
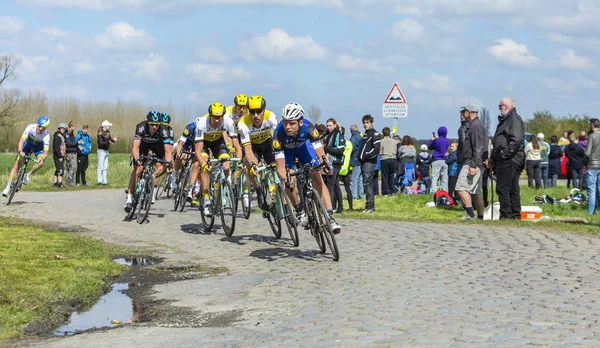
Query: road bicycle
{"points": [[164, 185], [278, 203], [319, 223], [221, 198], [241, 186], [181, 191], [17, 181], [142, 198]]}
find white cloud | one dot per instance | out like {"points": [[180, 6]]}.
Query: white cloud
{"points": [[512, 53], [134, 95], [124, 37], [407, 30], [569, 59], [562, 87], [150, 67], [214, 73], [53, 32], [348, 62], [212, 55], [11, 26], [278, 45], [436, 83], [83, 67], [207, 96], [32, 64], [559, 38]]}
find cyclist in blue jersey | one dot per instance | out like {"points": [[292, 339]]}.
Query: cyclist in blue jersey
{"points": [[294, 138], [186, 143], [36, 140]]}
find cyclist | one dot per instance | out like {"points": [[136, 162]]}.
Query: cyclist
{"points": [[150, 135], [212, 132], [186, 143], [36, 140], [239, 108], [294, 138], [165, 121], [256, 133]]}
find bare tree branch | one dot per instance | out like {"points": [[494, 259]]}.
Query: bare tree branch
{"points": [[8, 64], [9, 98]]}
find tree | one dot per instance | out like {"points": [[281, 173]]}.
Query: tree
{"points": [[485, 119], [544, 122], [9, 98], [314, 114]]}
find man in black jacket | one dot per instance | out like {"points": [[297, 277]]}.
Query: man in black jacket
{"points": [[71, 153], [58, 153], [508, 159], [367, 156]]}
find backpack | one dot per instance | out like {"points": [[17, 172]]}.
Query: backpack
{"points": [[442, 198]]}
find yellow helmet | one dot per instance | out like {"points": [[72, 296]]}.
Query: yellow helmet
{"points": [[256, 102], [216, 109], [240, 99]]}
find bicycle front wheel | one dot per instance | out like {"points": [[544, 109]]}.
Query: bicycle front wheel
{"points": [[161, 185], [15, 184], [145, 200], [312, 214], [226, 200], [325, 227], [288, 214], [271, 213], [182, 192], [208, 222]]}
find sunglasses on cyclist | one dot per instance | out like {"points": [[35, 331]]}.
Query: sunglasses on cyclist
{"points": [[255, 111]]}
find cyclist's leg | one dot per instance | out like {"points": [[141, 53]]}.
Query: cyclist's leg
{"points": [[292, 192], [37, 166], [221, 152], [136, 172], [307, 155]]}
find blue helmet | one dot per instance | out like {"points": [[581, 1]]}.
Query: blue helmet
{"points": [[44, 122], [153, 116], [165, 118]]}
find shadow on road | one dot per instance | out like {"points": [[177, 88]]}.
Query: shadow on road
{"points": [[272, 254], [242, 240], [199, 229]]}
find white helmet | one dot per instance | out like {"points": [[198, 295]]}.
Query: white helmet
{"points": [[292, 112]]}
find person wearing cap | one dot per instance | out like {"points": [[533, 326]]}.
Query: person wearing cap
{"points": [[58, 153], [544, 152], [470, 177], [462, 133], [423, 162], [592, 165], [105, 140]]}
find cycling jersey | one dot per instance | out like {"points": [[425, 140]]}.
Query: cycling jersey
{"points": [[34, 142], [170, 135], [249, 134], [302, 146], [236, 119], [152, 142], [189, 133], [206, 133]]}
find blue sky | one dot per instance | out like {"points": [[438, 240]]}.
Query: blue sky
{"points": [[340, 55]]}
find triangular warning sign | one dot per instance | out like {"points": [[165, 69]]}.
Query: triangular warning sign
{"points": [[395, 96]]}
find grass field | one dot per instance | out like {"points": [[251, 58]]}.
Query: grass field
{"points": [[42, 269]]}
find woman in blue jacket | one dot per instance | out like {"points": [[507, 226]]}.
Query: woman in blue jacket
{"points": [[84, 145]]}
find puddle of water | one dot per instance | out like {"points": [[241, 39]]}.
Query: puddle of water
{"points": [[113, 306], [134, 261]]}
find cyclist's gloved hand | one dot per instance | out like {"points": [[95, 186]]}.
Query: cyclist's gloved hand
{"points": [[232, 150], [205, 167]]}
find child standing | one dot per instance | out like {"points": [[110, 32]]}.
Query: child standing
{"points": [[453, 169]]}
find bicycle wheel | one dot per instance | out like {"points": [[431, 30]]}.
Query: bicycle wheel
{"points": [[146, 201], [161, 185], [134, 204], [226, 203], [236, 192], [312, 215], [288, 214], [325, 227], [245, 182], [15, 184], [271, 214], [208, 222], [167, 188], [182, 192]]}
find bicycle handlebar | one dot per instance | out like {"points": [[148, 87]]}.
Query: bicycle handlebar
{"points": [[154, 159], [308, 168], [214, 160]]}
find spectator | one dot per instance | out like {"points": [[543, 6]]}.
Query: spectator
{"points": [[575, 155], [534, 159], [569, 172], [592, 164], [356, 181], [105, 140], [486, 171], [389, 164], [346, 172], [554, 158], [583, 140], [453, 169], [462, 133], [544, 151], [564, 138], [375, 180], [508, 158], [334, 145], [84, 145], [423, 162], [471, 174], [367, 156], [71, 153], [406, 153], [439, 167], [59, 149]]}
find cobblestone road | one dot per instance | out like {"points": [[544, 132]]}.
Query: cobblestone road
{"points": [[397, 284]]}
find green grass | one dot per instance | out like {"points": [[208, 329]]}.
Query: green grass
{"points": [[41, 268], [411, 208], [118, 173]]}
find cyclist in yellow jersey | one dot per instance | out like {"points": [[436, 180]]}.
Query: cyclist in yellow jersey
{"points": [[239, 108], [212, 130], [256, 131]]}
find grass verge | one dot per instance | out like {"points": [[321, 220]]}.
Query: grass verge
{"points": [[42, 270], [411, 208]]}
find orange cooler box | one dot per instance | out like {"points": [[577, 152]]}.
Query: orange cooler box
{"points": [[531, 213]]}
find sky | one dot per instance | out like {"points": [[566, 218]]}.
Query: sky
{"points": [[340, 55]]}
